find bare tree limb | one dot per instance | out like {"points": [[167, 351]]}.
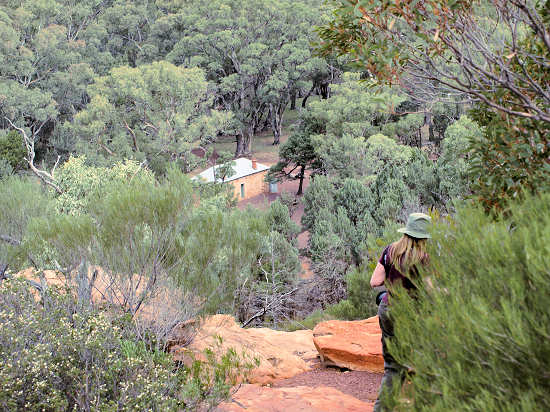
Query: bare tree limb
{"points": [[274, 300], [134, 139], [46, 177]]}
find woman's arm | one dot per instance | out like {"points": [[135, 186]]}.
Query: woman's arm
{"points": [[378, 276]]}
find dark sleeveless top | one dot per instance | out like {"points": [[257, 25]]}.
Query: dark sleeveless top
{"points": [[392, 274]]}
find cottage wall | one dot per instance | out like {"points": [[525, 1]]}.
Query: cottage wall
{"points": [[253, 185]]}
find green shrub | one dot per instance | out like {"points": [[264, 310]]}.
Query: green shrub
{"points": [[454, 162], [5, 168], [361, 301], [12, 150], [309, 322], [84, 185], [23, 200], [55, 359], [479, 340]]}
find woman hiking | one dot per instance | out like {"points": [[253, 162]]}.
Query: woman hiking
{"points": [[398, 264]]}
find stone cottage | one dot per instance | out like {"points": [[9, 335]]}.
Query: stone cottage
{"points": [[248, 180]]}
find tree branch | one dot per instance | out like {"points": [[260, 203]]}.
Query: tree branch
{"points": [[44, 176]]}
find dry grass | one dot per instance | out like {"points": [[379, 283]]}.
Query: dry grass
{"points": [[262, 147]]}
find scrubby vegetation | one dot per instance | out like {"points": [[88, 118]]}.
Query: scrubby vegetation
{"points": [[479, 340], [380, 108], [57, 355]]}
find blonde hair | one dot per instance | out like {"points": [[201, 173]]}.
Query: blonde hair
{"points": [[408, 252]]}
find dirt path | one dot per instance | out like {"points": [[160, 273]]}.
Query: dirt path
{"points": [[361, 385]]}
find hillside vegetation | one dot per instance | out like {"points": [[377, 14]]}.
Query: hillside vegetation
{"points": [[382, 107]]}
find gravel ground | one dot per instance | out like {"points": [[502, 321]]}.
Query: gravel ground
{"points": [[361, 385]]}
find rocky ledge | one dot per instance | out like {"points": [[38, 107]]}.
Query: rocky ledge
{"points": [[354, 345], [281, 354]]}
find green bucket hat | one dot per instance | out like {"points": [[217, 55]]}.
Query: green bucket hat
{"points": [[417, 225]]}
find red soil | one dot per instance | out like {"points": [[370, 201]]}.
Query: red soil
{"points": [[361, 385]]}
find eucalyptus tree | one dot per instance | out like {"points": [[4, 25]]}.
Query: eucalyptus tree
{"points": [[491, 53], [352, 110], [33, 50], [124, 29], [44, 69], [256, 52], [146, 111], [456, 156], [43, 59], [355, 108]]}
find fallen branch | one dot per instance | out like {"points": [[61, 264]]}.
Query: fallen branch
{"points": [[269, 305]]}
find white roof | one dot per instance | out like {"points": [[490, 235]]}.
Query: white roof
{"points": [[242, 168]]}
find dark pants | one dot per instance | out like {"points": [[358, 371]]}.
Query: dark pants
{"points": [[392, 370]]}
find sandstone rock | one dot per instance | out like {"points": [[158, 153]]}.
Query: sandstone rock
{"points": [[354, 345], [281, 354], [255, 398]]}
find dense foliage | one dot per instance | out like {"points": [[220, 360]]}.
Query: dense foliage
{"points": [[151, 81], [489, 53], [149, 237], [12, 153], [134, 258], [153, 110], [55, 358], [388, 107], [257, 67], [481, 340], [362, 180]]}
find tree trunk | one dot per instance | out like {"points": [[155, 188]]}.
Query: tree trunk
{"points": [[265, 125], [262, 124], [276, 122], [293, 100], [276, 136], [302, 175], [243, 142], [324, 89], [3, 269], [307, 96], [240, 146], [428, 120]]}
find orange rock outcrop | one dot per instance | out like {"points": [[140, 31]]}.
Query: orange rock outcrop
{"points": [[281, 354], [355, 345]]}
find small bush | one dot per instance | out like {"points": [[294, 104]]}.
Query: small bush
{"points": [[308, 322], [83, 185], [361, 301], [52, 358], [12, 151], [5, 168], [23, 200]]}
